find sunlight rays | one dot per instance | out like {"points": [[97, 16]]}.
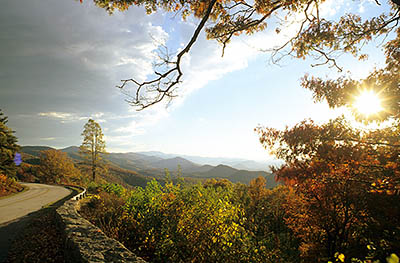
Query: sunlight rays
{"points": [[368, 103]]}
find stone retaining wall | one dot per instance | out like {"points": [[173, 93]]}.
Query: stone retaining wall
{"points": [[85, 242]]}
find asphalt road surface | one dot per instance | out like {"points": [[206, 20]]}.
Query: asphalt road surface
{"points": [[17, 210], [37, 196]]}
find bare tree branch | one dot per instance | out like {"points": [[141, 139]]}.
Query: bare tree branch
{"points": [[327, 60], [164, 85]]}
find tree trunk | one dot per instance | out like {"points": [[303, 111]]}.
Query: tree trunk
{"points": [[94, 174]]}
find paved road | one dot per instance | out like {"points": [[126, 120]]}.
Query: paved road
{"points": [[17, 211], [37, 196]]}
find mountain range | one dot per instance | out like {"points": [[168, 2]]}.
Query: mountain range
{"points": [[237, 163], [148, 165]]}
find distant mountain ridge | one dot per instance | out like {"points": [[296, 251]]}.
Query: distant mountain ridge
{"points": [[153, 165], [173, 163], [238, 163], [34, 150]]}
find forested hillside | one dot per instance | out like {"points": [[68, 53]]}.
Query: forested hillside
{"points": [[135, 169]]}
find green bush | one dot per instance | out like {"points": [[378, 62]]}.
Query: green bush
{"points": [[213, 222]]}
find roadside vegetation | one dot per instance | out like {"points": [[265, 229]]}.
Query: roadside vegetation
{"points": [[211, 222], [9, 186], [218, 221], [8, 159]]}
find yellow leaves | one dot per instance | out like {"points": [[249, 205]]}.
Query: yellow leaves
{"points": [[341, 257], [393, 258], [56, 165], [97, 197]]}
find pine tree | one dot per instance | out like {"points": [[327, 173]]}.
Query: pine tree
{"points": [[8, 147], [93, 146]]}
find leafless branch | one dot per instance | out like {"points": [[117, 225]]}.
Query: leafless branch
{"points": [[328, 59], [164, 84], [247, 23]]}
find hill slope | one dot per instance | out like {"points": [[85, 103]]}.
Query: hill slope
{"points": [[173, 163], [137, 168], [235, 175]]}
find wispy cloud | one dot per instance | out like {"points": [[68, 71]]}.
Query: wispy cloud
{"points": [[71, 117], [132, 128], [62, 116], [47, 139]]}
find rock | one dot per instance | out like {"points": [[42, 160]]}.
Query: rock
{"points": [[85, 242]]}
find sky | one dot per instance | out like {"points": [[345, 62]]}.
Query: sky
{"points": [[60, 62]]}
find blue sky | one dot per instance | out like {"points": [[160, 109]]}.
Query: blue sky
{"points": [[61, 60]]}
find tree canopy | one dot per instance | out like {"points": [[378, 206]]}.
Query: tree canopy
{"points": [[316, 36], [56, 167], [93, 146]]}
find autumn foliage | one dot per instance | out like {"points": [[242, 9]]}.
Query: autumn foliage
{"points": [[211, 222], [56, 167], [8, 186], [346, 183], [340, 203]]}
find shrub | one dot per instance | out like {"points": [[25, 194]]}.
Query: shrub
{"points": [[9, 185]]}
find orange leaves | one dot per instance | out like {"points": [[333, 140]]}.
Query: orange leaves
{"points": [[199, 8], [56, 166], [8, 185], [333, 168]]}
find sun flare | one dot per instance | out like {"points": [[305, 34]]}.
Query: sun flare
{"points": [[368, 103]]}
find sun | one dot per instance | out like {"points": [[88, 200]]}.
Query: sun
{"points": [[368, 103]]}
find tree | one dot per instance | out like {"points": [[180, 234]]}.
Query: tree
{"points": [[55, 167], [316, 36], [93, 146], [339, 174], [8, 148]]}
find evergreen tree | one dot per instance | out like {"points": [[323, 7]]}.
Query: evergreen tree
{"points": [[93, 146], [8, 147]]}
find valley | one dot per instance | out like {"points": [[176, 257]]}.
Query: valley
{"points": [[138, 168]]}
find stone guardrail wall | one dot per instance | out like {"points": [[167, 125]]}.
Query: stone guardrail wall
{"points": [[85, 242]]}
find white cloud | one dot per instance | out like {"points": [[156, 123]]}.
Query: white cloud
{"points": [[47, 139], [70, 117], [131, 128], [62, 116], [330, 8], [205, 63], [361, 8]]}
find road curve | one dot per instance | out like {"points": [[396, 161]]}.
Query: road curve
{"points": [[37, 196]]}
